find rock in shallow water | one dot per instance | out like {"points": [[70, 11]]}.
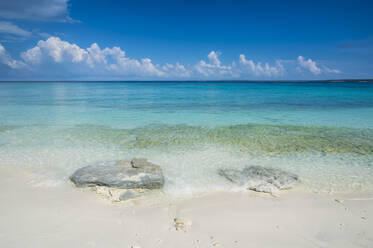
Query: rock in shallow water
{"points": [[134, 174], [261, 179]]}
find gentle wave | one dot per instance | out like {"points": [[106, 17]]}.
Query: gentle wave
{"points": [[327, 159]]}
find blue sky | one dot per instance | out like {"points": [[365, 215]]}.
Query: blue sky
{"points": [[125, 40]]}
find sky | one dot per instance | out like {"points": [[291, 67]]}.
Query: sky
{"points": [[185, 40]]}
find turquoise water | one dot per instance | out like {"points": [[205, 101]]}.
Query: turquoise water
{"points": [[321, 131]]}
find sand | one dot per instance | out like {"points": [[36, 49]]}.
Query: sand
{"points": [[65, 216]]}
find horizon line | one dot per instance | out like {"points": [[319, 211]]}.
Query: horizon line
{"points": [[207, 81]]}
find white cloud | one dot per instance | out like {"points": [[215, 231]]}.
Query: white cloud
{"points": [[47, 10], [7, 60], [309, 65], [59, 57], [97, 55], [107, 59], [329, 70], [62, 50], [177, 70], [214, 67], [32, 56], [213, 58], [10, 28], [114, 59], [259, 70]]}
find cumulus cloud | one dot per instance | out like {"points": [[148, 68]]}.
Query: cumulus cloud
{"points": [[108, 59], [114, 59], [59, 57], [46, 10], [311, 66], [8, 61], [58, 49], [245, 67], [177, 70], [214, 66], [10, 28], [259, 70], [214, 58], [32, 56]]}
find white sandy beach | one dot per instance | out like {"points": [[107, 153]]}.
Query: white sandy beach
{"points": [[65, 216], [186, 124]]}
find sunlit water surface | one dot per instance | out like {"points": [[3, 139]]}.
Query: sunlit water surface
{"points": [[321, 131]]}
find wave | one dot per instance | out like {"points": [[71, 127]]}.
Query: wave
{"points": [[325, 158]]}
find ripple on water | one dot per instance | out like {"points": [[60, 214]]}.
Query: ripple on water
{"points": [[325, 158]]}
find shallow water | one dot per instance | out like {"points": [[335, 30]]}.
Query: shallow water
{"points": [[321, 131]]}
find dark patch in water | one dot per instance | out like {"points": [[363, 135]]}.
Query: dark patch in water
{"points": [[248, 137]]}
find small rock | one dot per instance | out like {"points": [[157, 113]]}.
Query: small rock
{"points": [[179, 225], [127, 195], [261, 179], [109, 193], [130, 194], [116, 195]]}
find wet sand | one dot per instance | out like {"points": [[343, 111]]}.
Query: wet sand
{"points": [[65, 216]]}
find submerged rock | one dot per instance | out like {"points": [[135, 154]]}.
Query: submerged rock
{"points": [[134, 174], [261, 179]]}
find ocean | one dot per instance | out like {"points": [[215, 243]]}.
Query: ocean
{"points": [[321, 131]]}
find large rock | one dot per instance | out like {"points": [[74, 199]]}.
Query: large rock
{"points": [[134, 174], [261, 179]]}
